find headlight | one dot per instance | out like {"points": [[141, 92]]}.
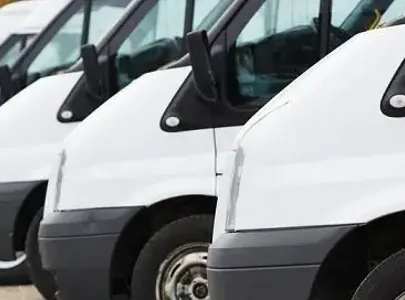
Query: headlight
{"points": [[54, 184], [59, 178], [234, 190]]}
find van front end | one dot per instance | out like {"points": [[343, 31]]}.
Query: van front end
{"points": [[279, 264], [108, 186], [79, 243], [313, 197], [77, 248]]}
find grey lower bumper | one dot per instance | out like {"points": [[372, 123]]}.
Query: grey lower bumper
{"points": [[77, 247], [277, 264]]}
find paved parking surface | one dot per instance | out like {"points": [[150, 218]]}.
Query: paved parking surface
{"points": [[19, 293]]}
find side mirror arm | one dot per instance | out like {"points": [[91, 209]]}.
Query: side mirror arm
{"points": [[6, 84], [92, 71], [201, 62]]}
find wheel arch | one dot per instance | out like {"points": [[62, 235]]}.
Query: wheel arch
{"points": [[149, 220], [356, 254], [31, 204]]}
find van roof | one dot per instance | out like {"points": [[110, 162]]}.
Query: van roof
{"points": [[13, 14], [19, 7], [42, 14]]}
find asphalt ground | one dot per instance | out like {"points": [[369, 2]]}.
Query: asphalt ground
{"points": [[26, 292]]}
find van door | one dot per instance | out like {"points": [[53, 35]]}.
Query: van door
{"points": [[274, 46]]}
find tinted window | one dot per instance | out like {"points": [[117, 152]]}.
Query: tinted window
{"points": [[275, 46], [280, 42], [395, 10]]}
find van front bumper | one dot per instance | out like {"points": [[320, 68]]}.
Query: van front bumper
{"points": [[77, 247], [275, 264]]}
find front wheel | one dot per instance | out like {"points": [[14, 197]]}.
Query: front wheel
{"points": [[15, 272], [386, 281], [42, 279], [172, 265]]}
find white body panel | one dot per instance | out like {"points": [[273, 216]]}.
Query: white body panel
{"points": [[30, 133], [323, 153], [111, 164], [119, 156]]}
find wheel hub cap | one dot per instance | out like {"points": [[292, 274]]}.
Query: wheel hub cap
{"points": [[183, 275], [199, 288]]}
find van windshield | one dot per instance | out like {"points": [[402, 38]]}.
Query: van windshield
{"points": [[12, 47], [87, 24]]}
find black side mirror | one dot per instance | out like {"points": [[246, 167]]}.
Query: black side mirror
{"points": [[92, 70], [203, 73], [6, 83]]}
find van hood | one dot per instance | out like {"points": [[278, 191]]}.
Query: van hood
{"points": [[113, 120], [111, 144], [30, 133]]}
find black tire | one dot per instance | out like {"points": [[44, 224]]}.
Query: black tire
{"points": [[15, 276], [42, 279], [194, 229], [386, 281]]}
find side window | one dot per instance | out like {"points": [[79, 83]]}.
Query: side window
{"points": [[277, 45], [395, 10], [201, 10], [342, 10], [104, 14], [156, 41]]}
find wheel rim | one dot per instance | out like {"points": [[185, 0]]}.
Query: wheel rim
{"points": [[183, 275], [7, 265]]}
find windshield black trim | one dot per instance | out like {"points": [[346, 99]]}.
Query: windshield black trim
{"points": [[86, 22]]}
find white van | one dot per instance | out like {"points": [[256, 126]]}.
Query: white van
{"points": [[148, 35], [131, 201], [21, 22], [313, 199], [67, 24]]}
